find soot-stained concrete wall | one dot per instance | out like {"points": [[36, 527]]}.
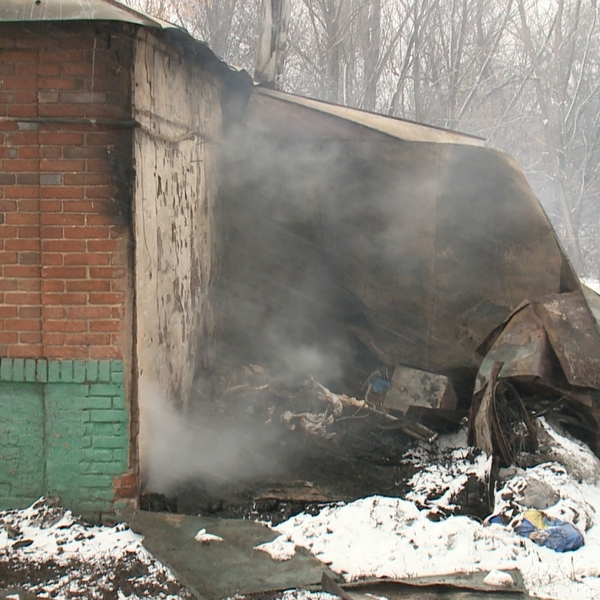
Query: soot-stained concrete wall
{"points": [[177, 101]]}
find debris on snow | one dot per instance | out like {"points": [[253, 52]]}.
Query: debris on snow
{"points": [[437, 487], [558, 535], [573, 454]]}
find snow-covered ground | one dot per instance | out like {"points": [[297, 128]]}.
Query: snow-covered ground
{"points": [[392, 537], [50, 553]]}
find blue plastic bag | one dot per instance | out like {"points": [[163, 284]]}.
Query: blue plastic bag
{"points": [[555, 534]]}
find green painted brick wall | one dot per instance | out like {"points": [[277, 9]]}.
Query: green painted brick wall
{"points": [[63, 431]]}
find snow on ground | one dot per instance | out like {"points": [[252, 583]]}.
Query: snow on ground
{"points": [[60, 556], [48, 552], [206, 538], [437, 484], [391, 537]]}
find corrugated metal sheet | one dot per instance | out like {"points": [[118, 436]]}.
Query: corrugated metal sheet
{"points": [[76, 10]]}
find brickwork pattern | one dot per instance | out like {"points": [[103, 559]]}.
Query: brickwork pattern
{"points": [[64, 189], [63, 431]]}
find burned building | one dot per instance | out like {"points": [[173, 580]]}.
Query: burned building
{"points": [[110, 123], [165, 222]]}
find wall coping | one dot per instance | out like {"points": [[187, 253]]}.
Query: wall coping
{"points": [[41, 370]]}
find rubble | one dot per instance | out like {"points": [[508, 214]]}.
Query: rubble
{"points": [[408, 542], [545, 358], [359, 455]]}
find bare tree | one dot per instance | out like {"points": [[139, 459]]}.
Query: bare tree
{"points": [[230, 27], [340, 49], [560, 41]]}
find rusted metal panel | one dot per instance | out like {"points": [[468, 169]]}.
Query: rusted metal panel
{"points": [[573, 335], [434, 231], [268, 114], [177, 104], [523, 348], [417, 250], [494, 242]]}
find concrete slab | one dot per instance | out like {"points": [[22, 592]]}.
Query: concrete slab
{"points": [[221, 569]]}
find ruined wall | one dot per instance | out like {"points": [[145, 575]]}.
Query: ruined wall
{"points": [[349, 251], [65, 242], [177, 102]]}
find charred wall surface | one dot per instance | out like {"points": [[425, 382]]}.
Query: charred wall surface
{"points": [[177, 101], [347, 253]]}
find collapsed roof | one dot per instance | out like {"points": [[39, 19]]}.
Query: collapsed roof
{"points": [[356, 233]]}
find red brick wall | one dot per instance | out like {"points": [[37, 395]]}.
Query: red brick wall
{"points": [[64, 190]]}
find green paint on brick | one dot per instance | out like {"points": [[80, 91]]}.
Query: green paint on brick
{"points": [[92, 370], [21, 421], [63, 431], [30, 370], [53, 371], [79, 375], [118, 402], [98, 402], [101, 455], [7, 455], [6, 365], [105, 389], [108, 416], [42, 371], [106, 429], [117, 377], [110, 468], [19, 369], [116, 366], [120, 455], [104, 371], [9, 502], [62, 391], [66, 371], [96, 481], [109, 442]]}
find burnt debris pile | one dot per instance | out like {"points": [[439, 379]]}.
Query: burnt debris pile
{"points": [[299, 445], [373, 293]]}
